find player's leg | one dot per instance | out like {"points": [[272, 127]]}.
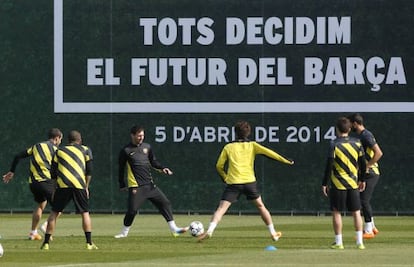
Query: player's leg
{"points": [[229, 196], [224, 205], [338, 203], [163, 204], [337, 227], [86, 222], [136, 196], [264, 212], [251, 192], [48, 190], [267, 218], [81, 201], [366, 196], [61, 199], [354, 204], [358, 229], [36, 216], [51, 223], [222, 208], [337, 222], [357, 221], [37, 213], [87, 228]]}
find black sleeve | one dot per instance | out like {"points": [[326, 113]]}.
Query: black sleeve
{"points": [[362, 168], [328, 171], [121, 168], [154, 162], [89, 168], [329, 163], [89, 163], [17, 158], [53, 169]]}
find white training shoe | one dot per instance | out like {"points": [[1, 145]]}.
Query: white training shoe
{"points": [[121, 235]]}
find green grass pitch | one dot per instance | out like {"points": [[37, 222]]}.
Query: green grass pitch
{"points": [[237, 241]]}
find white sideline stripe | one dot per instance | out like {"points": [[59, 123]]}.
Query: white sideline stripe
{"points": [[137, 263]]}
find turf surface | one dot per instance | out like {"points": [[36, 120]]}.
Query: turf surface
{"points": [[238, 241]]}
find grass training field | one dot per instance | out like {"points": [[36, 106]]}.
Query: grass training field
{"points": [[238, 241]]}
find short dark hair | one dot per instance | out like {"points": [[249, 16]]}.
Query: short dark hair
{"points": [[136, 129], [356, 117], [74, 136], [53, 133], [343, 124], [242, 129]]}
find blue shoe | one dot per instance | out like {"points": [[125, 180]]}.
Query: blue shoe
{"points": [[180, 231]]}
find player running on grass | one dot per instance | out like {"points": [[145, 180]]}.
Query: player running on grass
{"points": [[41, 184], [138, 159], [240, 178]]}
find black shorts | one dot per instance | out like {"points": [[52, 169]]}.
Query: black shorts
{"points": [[233, 192], [138, 195], [63, 196], [344, 200], [43, 191]]}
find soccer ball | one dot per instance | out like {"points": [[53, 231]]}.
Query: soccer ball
{"points": [[196, 228], [1, 251]]}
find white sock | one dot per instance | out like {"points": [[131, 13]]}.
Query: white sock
{"points": [[338, 239], [33, 232], [211, 228], [272, 229], [173, 226], [372, 221], [359, 237], [368, 227], [125, 230]]}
